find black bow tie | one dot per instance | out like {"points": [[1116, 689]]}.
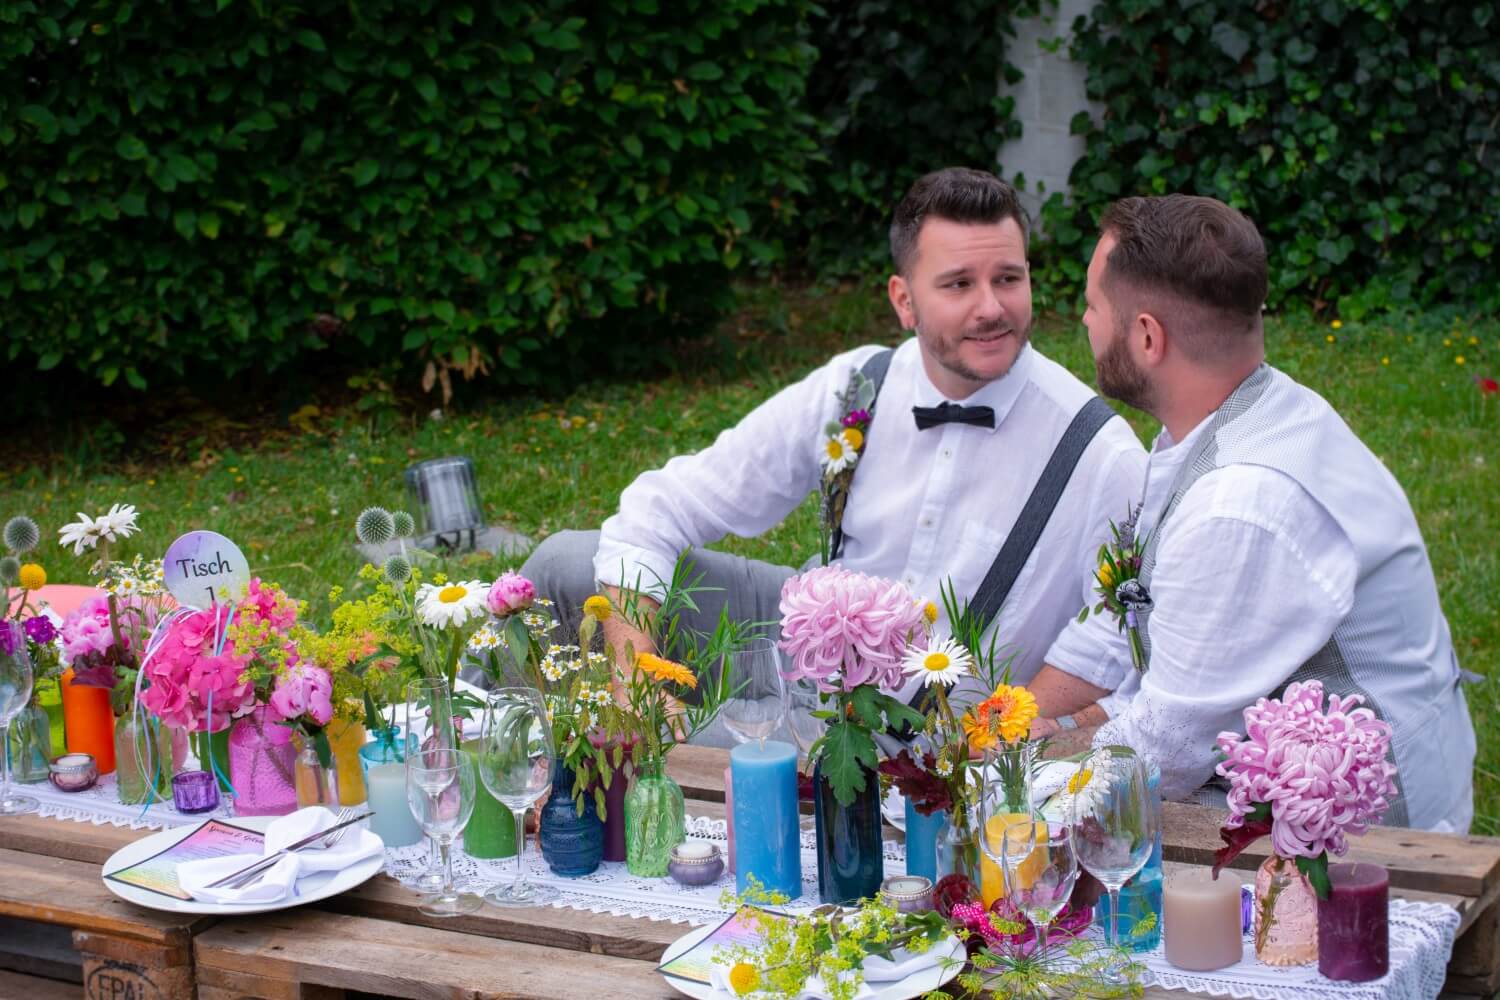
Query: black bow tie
{"points": [[952, 413]]}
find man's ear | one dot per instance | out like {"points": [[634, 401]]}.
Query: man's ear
{"points": [[900, 295], [1150, 338]]}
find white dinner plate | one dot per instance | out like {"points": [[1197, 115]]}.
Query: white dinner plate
{"points": [[310, 888], [915, 985]]}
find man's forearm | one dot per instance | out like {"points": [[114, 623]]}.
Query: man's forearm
{"points": [[621, 633], [1068, 742]]}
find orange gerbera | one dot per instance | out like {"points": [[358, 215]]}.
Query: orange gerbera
{"points": [[662, 669], [1008, 712]]}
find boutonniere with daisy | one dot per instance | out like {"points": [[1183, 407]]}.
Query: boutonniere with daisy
{"points": [[843, 444], [1118, 584]]}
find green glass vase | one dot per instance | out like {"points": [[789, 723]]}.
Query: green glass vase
{"points": [[654, 817]]}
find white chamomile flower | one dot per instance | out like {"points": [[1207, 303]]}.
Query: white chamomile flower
{"points": [[542, 602], [837, 455], [118, 523], [452, 605], [601, 698], [126, 586], [944, 766], [551, 671], [485, 639], [82, 534], [944, 663]]}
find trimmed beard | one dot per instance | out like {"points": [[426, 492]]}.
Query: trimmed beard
{"points": [[1119, 377], [955, 365]]}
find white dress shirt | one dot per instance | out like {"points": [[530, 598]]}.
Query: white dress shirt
{"points": [[925, 506]]}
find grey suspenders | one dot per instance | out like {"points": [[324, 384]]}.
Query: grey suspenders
{"points": [[874, 369]]}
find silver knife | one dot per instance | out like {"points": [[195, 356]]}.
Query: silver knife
{"points": [[270, 859]]}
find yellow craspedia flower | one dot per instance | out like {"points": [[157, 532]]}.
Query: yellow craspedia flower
{"points": [[598, 607], [930, 612], [32, 577], [743, 978], [1106, 574], [662, 669], [854, 438]]}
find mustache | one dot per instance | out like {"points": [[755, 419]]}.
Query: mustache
{"points": [[994, 326]]}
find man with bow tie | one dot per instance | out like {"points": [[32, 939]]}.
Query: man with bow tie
{"points": [[984, 463]]}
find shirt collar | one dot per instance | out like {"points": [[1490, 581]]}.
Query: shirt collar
{"points": [[999, 395]]}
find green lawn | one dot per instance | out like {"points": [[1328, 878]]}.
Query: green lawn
{"points": [[551, 463]]}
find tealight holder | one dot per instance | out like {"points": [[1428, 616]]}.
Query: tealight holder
{"points": [[73, 772], [696, 862], [908, 893], [195, 792]]}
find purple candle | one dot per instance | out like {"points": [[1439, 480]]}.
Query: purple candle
{"points": [[1354, 924]]}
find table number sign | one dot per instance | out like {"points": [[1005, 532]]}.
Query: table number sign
{"points": [[202, 567]]}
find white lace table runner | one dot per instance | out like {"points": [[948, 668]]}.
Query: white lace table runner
{"points": [[1422, 934]]}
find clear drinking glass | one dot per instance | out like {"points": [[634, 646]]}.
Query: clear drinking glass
{"points": [[802, 701], [15, 695], [1114, 823], [760, 698], [440, 790], [1040, 869], [515, 763], [427, 722]]}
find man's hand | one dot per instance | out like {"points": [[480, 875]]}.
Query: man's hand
{"points": [[1067, 742]]}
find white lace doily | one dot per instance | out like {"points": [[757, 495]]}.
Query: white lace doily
{"points": [[1421, 944], [101, 804], [612, 889]]}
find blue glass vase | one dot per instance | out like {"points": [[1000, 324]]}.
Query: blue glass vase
{"points": [[572, 842], [851, 863]]}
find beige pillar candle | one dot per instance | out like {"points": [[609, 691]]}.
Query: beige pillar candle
{"points": [[1201, 919]]}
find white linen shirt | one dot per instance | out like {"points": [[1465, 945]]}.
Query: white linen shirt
{"points": [[925, 506]]}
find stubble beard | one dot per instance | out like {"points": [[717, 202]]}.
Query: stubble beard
{"points": [[1119, 377], [947, 357]]}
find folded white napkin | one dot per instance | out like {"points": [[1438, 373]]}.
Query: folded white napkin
{"points": [[280, 880], [878, 971]]}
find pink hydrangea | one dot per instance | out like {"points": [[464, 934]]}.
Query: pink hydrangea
{"points": [[304, 691], [1323, 773], [511, 593], [185, 674], [843, 629]]}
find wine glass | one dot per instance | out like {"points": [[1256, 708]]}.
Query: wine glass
{"points": [[515, 764], [802, 702], [15, 695], [1114, 825], [440, 790], [427, 721], [1040, 868], [759, 702]]}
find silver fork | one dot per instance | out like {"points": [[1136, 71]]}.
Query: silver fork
{"points": [[258, 869]]}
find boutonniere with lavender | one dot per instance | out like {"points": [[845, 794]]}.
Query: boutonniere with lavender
{"points": [[1118, 584], [843, 444]]}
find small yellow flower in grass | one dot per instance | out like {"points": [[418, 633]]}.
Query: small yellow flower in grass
{"points": [[1458, 360], [930, 612], [1447, 342], [1106, 574], [1337, 324], [743, 978], [598, 606], [1473, 341], [32, 577], [1330, 338], [853, 438], [662, 669]]}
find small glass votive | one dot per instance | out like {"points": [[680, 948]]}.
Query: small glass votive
{"points": [[195, 792], [908, 893], [73, 772], [695, 862]]}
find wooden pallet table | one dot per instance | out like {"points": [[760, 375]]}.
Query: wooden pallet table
{"points": [[373, 941]]}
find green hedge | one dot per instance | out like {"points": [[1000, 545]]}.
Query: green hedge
{"points": [[196, 185], [1360, 135]]}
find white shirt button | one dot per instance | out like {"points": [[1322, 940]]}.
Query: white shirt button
{"points": [[947, 453]]}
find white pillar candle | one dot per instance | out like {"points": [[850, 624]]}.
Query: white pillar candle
{"points": [[393, 821], [1201, 919]]}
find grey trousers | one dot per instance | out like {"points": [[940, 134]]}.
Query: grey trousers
{"points": [[562, 567]]}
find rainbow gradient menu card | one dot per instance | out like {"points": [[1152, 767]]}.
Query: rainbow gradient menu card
{"points": [[696, 964], [213, 839]]}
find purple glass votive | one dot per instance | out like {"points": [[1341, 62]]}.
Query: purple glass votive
{"points": [[195, 792], [908, 893], [1354, 924]]}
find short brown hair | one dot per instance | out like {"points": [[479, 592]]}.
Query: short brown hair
{"points": [[957, 194], [1197, 250]]}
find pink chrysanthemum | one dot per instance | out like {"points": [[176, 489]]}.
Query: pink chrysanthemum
{"points": [[843, 629], [1323, 773]]}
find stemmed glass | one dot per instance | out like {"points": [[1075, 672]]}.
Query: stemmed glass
{"points": [[440, 789], [1040, 868], [428, 724], [802, 701], [515, 764], [759, 702], [1114, 825], [15, 694]]}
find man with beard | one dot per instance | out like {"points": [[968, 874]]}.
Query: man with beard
{"points": [[976, 439], [1277, 547]]}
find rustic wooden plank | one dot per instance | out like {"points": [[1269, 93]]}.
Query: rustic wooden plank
{"points": [[14, 984], [61, 838], [71, 893], [699, 770], [1417, 859], [241, 985], [417, 963], [383, 898]]}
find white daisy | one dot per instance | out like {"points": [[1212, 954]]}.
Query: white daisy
{"points": [[485, 639], [126, 586], [452, 605], [837, 455], [1081, 796], [945, 663], [81, 534], [118, 523]]}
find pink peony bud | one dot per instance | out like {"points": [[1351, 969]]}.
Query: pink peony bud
{"points": [[304, 690], [511, 593]]}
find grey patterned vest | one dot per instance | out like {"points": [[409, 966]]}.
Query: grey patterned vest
{"points": [[1394, 646]]}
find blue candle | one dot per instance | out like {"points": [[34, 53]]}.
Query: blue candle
{"points": [[393, 822], [921, 841], [767, 834]]}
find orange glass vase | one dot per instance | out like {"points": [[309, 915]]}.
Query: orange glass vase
{"points": [[89, 722]]}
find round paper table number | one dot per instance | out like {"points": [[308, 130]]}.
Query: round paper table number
{"points": [[203, 568]]}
